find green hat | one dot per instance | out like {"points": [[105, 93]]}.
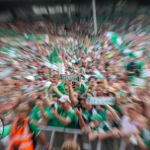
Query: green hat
{"points": [[97, 117]]}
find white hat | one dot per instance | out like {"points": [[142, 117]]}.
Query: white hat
{"points": [[30, 78], [64, 98]]}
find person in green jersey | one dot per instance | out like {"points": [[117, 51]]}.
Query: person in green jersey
{"points": [[65, 114], [58, 88], [46, 115], [38, 110]]}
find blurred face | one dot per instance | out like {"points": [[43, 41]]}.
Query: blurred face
{"points": [[131, 111], [93, 67], [64, 105], [54, 80], [22, 114], [92, 82], [41, 95], [99, 91], [84, 103], [140, 109]]}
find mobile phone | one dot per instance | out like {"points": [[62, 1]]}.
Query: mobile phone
{"points": [[53, 106]]}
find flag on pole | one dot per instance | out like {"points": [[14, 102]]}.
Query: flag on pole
{"points": [[55, 59]]}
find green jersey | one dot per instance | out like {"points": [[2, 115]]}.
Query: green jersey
{"points": [[81, 89], [36, 114], [61, 88], [71, 115]]}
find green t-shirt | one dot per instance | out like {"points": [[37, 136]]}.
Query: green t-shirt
{"points": [[33, 127], [145, 136], [36, 114], [105, 126], [53, 122], [103, 113], [88, 114], [119, 110], [61, 88], [81, 89], [70, 114]]}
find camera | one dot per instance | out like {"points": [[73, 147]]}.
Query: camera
{"points": [[78, 106], [53, 106]]}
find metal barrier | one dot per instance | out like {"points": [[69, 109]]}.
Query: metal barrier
{"points": [[56, 137]]}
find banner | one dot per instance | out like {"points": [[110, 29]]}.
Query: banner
{"points": [[101, 100], [145, 73], [73, 78]]}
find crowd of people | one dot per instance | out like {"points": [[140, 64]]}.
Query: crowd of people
{"points": [[31, 84]]}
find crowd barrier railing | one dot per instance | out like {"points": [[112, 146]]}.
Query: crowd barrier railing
{"points": [[56, 137]]}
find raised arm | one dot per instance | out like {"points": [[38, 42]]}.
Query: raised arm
{"points": [[81, 120], [71, 96], [114, 113], [64, 121]]}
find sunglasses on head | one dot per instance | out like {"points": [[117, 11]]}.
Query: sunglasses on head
{"points": [[99, 82]]}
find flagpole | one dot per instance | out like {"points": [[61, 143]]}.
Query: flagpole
{"points": [[94, 16]]}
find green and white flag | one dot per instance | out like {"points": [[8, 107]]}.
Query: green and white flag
{"points": [[101, 100], [52, 66], [145, 73], [55, 59], [136, 54], [138, 82], [114, 38]]}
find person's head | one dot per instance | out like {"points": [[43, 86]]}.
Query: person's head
{"points": [[84, 98], [70, 145], [65, 102], [96, 120], [92, 80], [23, 111], [132, 110], [99, 91], [140, 108], [140, 91], [55, 78], [31, 104], [93, 67], [40, 95]]}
